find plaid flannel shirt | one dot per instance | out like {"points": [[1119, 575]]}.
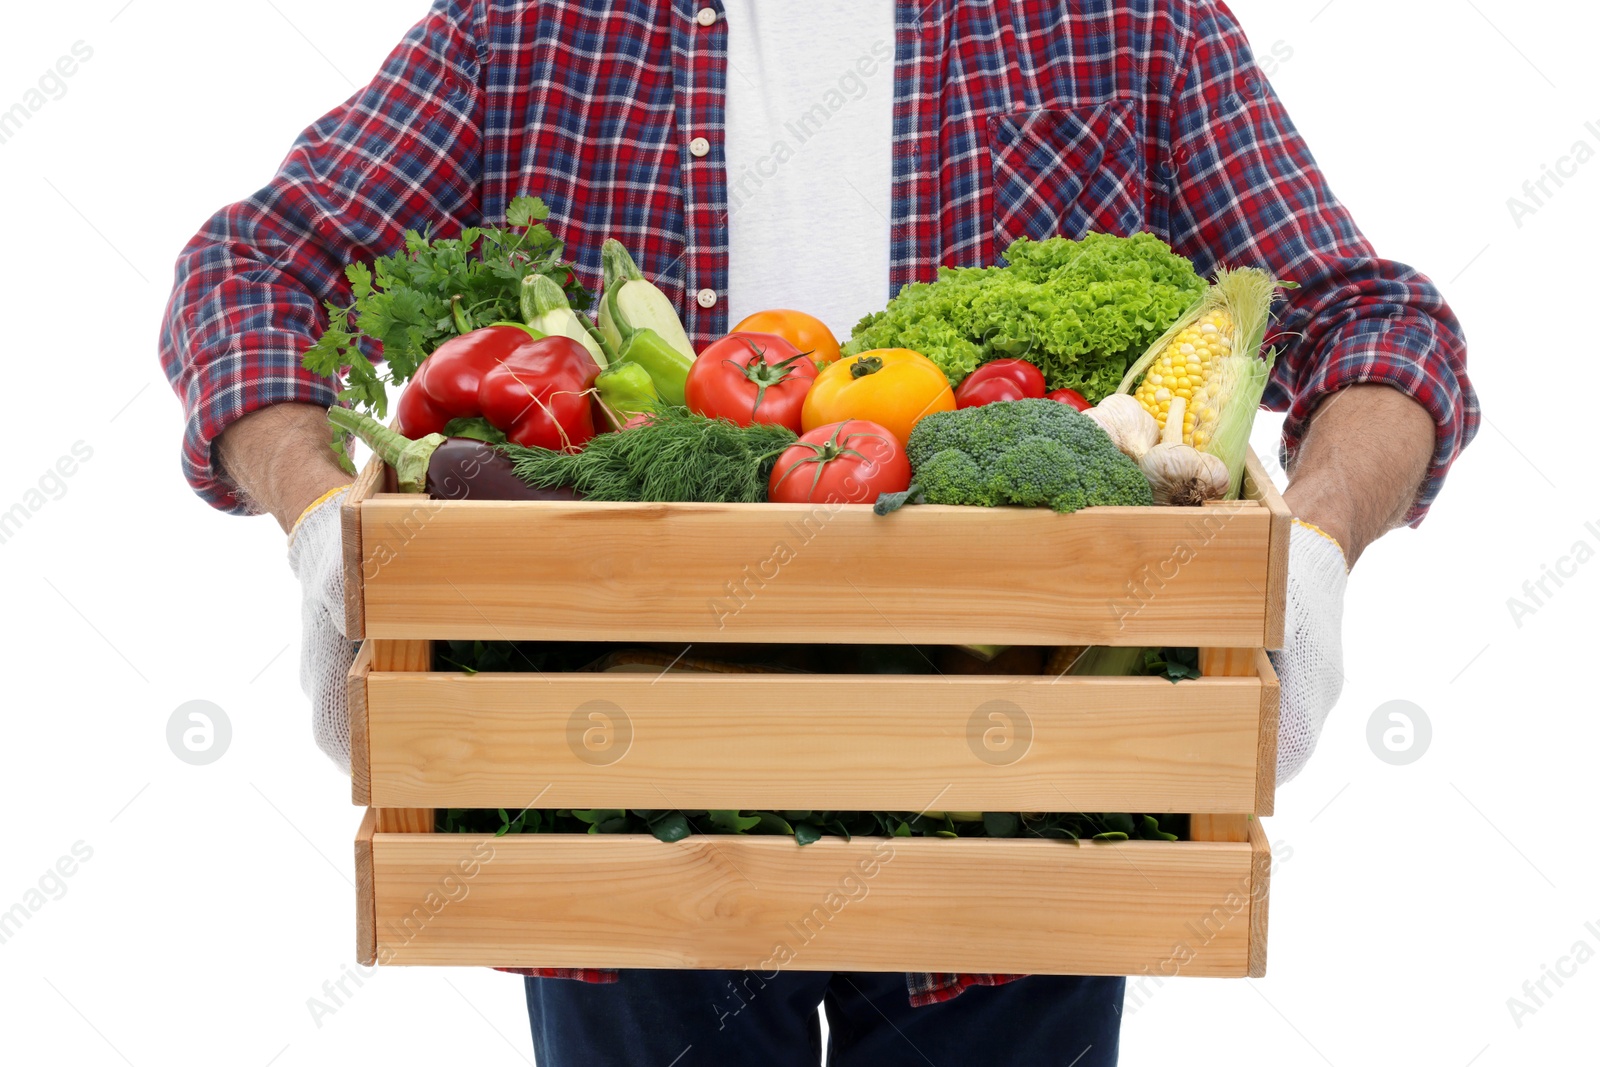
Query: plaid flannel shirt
{"points": [[1016, 118]]}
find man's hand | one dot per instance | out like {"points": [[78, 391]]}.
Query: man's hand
{"points": [[316, 555], [1353, 479], [279, 458]]}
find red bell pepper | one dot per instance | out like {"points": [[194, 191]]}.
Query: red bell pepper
{"points": [[534, 389], [1000, 379], [1070, 397]]}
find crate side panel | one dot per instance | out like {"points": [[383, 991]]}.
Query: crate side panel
{"points": [[755, 903], [772, 572], [703, 741]]}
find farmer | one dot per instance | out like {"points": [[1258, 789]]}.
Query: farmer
{"points": [[821, 156]]}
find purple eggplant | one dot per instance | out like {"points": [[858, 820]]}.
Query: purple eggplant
{"points": [[446, 468]]}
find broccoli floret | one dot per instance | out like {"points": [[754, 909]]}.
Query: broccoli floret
{"points": [[955, 475], [1035, 453], [1033, 472]]}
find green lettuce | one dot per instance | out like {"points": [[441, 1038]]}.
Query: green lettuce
{"points": [[1081, 311]]}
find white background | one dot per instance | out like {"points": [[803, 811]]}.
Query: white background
{"points": [[1417, 899]]}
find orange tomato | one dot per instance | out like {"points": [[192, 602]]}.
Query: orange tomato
{"points": [[805, 332], [893, 387]]}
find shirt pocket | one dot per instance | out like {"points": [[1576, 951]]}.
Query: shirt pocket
{"points": [[1065, 172]]}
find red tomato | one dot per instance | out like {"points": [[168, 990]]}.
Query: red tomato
{"points": [[1070, 396], [1000, 379], [848, 462], [748, 378]]}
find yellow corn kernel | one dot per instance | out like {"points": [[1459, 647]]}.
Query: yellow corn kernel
{"points": [[1184, 369]]}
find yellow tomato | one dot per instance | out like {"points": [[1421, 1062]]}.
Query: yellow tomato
{"points": [[893, 387], [805, 332]]}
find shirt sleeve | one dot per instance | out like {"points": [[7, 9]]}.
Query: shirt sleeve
{"points": [[1244, 190], [402, 153]]}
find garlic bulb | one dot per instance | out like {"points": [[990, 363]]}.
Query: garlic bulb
{"points": [[1131, 428], [1181, 474]]}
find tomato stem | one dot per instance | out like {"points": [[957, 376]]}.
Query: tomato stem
{"points": [[763, 374], [866, 365]]}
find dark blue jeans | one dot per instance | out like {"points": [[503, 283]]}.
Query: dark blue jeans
{"points": [[652, 1018]]}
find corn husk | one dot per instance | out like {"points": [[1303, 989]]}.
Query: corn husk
{"points": [[1240, 377]]}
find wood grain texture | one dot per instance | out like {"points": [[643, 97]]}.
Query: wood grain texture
{"points": [[1260, 893], [367, 482], [1038, 907], [1227, 662], [401, 655], [1232, 828], [366, 925], [356, 702], [405, 820], [1252, 663], [1267, 752], [395, 657], [834, 742], [771, 572], [1259, 487]]}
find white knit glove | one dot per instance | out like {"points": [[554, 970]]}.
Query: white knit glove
{"points": [[316, 555], [1310, 666]]}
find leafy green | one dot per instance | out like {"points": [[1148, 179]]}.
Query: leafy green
{"points": [[1033, 453], [1082, 311], [675, 456], [809, 826], [1106, 661], [407, 304], [1173, 664]]}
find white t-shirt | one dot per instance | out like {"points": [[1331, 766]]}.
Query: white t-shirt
{"points": [[810, 102]]}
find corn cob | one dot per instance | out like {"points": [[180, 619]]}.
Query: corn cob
{"points": [[1184, 369], [1211, 358]]}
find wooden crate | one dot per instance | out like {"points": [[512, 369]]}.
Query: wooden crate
{"points": [[421, 570]]}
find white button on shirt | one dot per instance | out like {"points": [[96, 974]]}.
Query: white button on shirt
{"points": [[707, 297], [699, 147], [706, 16]]}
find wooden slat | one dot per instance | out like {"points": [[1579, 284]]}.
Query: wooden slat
{"points": [[367, 482], [1267, 749], [594, 571], [832, 742], [1232, 828], [405, 820], [393, 657], [356, 701], [1260, 885], [401, 655], [366, 924], [1221, 663], [1039, 907], [1251, 663], [1259, 486], [1227, 662]]}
